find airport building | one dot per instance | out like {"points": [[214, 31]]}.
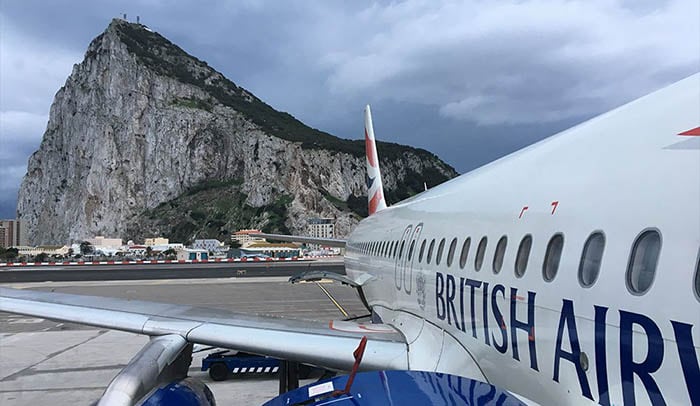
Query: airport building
{"points": [[192, 255], [13, 233], [60, 250], [281, 250]]}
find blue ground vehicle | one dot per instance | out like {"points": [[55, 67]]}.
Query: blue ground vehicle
{"points": [[222, 363]]}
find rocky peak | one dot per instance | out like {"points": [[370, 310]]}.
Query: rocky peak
{"points": [[146, 139]]}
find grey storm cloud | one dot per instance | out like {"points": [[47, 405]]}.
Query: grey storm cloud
{"points": [[468, 80]]}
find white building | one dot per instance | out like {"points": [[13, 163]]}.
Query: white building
{"points": [[105, 244], [321, 228], [193, 255], [280, 250], [46, 249]]}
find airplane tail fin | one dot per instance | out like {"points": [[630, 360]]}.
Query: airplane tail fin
{"points": [[375, 190]]}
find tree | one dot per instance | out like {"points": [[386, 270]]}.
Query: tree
{"points": [[41, 257], [169, 251], [8, 254], [86, 248], [70, 252], [149, 251]]}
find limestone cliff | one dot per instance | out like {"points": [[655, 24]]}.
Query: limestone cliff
{"points": [[145, 139]]}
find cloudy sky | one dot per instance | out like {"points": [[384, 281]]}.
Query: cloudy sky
{"points": [[468, 80]]}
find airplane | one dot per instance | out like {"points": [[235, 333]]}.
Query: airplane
{"points": [[565, 273]]}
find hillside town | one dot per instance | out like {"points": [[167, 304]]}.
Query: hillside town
{"points": [[241, 244]]}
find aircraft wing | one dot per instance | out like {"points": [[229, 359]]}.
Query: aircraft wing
{"points": [[329, 344], [330, 242]]}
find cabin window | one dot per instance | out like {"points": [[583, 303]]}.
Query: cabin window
{"points": [[401, 249], [591, 258], [480, 251], [396, 247], [523, 256], [430, 251], [550, 266], [410, 249], [391, 248], [441, 247], [451, 252], [697, 276], [465, 253], [641, 268], [499, 254], [422, 251]]}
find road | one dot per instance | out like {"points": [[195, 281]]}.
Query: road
{"points": [[166, 271]]}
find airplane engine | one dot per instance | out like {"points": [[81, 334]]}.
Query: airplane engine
{"points": [[186, 392]]}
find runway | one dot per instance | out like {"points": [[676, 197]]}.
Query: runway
{"points": [[166, 271], [47, 362]]}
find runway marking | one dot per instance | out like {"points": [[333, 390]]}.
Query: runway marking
{"points": [[332, 299]]}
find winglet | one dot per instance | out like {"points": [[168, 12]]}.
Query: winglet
{"points": [[375, 190]]}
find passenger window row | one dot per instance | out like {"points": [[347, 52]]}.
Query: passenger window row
{"points": [[641, 268]]}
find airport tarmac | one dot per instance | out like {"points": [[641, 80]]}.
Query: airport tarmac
{"points": [[46, 362]]}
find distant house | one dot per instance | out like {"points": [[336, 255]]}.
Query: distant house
{"points": [[244, 237], [156, 241]]}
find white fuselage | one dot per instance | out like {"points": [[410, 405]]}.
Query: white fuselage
{"points": [[546, 334]]}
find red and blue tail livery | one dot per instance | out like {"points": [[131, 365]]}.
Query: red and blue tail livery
{"points": [[375, 190]]}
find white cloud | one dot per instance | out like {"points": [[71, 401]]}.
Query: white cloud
{"points": [[30, 74], [525, 61]]}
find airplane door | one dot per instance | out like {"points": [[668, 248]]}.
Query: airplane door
{"points": [[400, 250], [409, 257]]}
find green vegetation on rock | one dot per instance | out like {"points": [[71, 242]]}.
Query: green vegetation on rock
{"points": [[192, 103], [211, 209]]}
